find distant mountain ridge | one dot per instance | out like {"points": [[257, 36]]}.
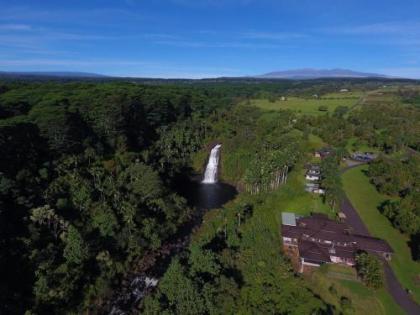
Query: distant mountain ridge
{"points": [[310, 73], [58, 74], [295, 74]]}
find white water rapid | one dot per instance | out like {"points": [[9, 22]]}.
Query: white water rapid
{"points": [[210, 175]]}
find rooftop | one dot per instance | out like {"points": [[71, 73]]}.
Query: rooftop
{"points": [[317, 234], [288, 218]]}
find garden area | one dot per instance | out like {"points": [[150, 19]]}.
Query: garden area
{"points": [[335, 285]]}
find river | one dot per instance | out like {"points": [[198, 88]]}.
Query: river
{"points": [[203, 193]]}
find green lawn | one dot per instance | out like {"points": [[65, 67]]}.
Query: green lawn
{"points": [[296, 199], [354, 145], [305, 106], [351, 94], [366, 199], [382, 97], [364, 300]]}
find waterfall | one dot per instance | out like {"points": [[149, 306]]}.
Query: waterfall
{"points": [[210, 175]]}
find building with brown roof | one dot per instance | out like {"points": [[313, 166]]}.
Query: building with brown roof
{"points": [[317, 240], [323, 153]]}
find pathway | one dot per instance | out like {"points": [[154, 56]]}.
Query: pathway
{"points": [[397, 291]]}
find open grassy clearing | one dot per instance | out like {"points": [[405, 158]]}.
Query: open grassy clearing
{"points": [[354, 144], [363, 300], [305, 106], [298, 200], [381, 97], [345, 95], [366, 200]]}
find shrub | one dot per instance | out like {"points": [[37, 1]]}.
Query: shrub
{"points": [[369, 269]]}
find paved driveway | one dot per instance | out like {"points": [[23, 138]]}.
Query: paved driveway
{"points": [[394, 287], [352, 217]]}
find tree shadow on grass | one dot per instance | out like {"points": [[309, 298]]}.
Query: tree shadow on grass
{"points": [[414, 244]]}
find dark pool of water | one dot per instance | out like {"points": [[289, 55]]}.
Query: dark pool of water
{"points": [[204, 196], [211, 196]]}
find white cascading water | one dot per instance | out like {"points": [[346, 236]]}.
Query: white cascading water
{"points": [[210, 175]]}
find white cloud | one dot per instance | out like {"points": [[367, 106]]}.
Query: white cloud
{"points": [[98, 16], [70, 62], [15, 27], [272, 35], [403, 72], [408, 28], [226, 44]]}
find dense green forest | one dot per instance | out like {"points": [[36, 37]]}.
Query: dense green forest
{"points": [[89, 185], [86, 184]]}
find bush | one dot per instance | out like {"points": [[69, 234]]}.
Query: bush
{"points": [[346, 305], [323, 108], [340, 111], [369, 269]]}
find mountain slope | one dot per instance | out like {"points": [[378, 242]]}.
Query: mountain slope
{"points": [[309, 73]]}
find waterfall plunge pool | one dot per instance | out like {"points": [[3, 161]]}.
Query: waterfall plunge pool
{"points": [[209, 193]]}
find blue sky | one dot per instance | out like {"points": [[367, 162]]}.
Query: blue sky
{"points": [[208, 38]]}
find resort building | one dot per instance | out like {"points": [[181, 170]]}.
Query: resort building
{"points": [[316, 240]]}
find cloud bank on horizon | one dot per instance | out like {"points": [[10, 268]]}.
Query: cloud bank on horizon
{"points": [[209, 38]]}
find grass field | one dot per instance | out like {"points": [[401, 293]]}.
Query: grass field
{"points": [[364, 301], [351, 94], [294, 198], [381, 97], [354, 145], [305, 106], [366, 199]]}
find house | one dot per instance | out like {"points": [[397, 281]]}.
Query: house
{"points": [[316, 240], [323, 153], [313, 168], [311, 177], [319, 191], [314, 187], [312, 171]]}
